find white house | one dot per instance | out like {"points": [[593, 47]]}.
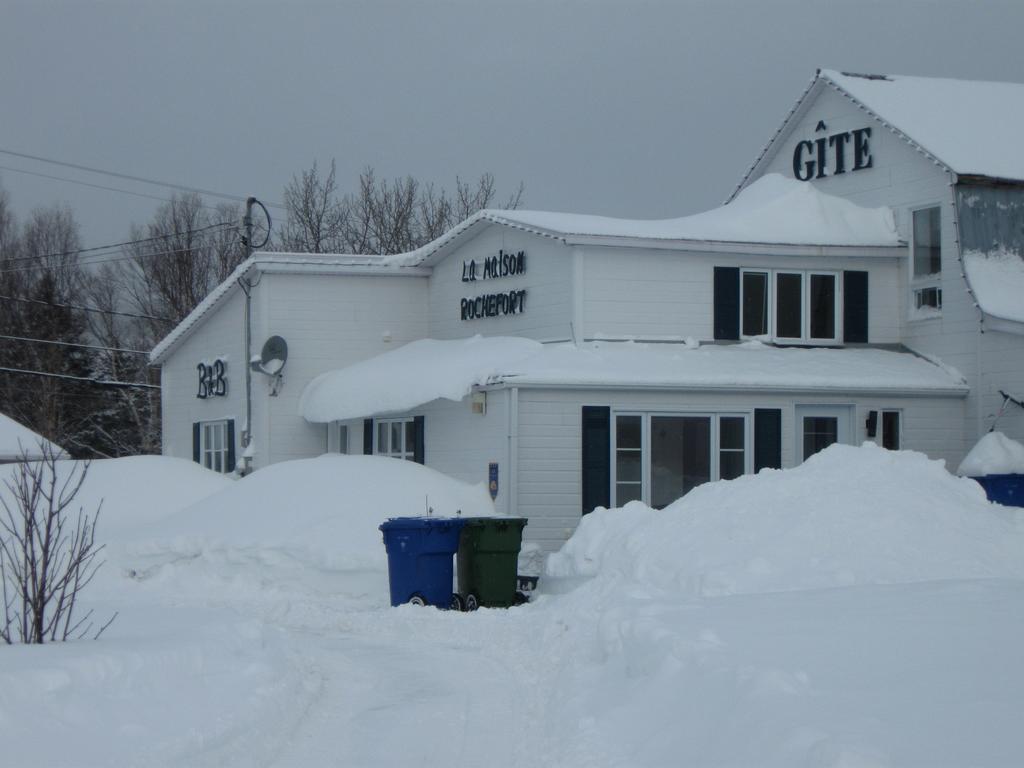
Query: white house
{"points": [[862, 283]]}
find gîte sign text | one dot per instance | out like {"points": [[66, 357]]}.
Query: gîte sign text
{"points": [[832, 155]]}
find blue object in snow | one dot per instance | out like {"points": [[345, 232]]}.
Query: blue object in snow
{"points": [[420, 552]]}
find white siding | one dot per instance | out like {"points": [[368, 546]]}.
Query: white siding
{"points": [[903, 179], [651, 294], [547, 281], [329, 321], [222, 336], [549, 455]]}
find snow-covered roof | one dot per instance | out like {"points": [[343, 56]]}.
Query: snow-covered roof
{"points": [[972, 127], [17, 440], [773, 210], [306, 263], [426, 370]]}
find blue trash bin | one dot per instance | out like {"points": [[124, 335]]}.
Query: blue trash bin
{"points": [[1007, 490], [420, 552]]}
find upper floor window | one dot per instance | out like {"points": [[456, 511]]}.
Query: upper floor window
{"points": [[926, 253], [799, 306]]}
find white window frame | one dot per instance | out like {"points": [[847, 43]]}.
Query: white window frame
{"points": [[932, 282], [645, 445], [337, 437], [404, 451], [805, 305], [210, 456], [843, 414]]}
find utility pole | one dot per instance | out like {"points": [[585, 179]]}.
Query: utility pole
{"points": [[247, 285]]}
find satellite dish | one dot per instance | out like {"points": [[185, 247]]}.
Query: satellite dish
{"points": [[274, 355]]}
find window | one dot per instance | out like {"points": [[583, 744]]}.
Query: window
{"points": [[891, 430], [660, 457], [926, 266], [628, 458], [338, 440], [793, 306], [396, 438], [215, 449], [754, 300]]}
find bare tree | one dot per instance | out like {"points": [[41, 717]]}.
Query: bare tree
{"points": [[382, 217], [48, 552], [188, 250], [316, 219]]}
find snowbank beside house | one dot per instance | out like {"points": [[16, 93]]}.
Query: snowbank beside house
{"points": [[845, 517], [321, 512], [17, 440], [994, 454]]}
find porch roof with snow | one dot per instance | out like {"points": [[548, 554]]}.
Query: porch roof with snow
{"points": [[427, 370], [18, 441]]}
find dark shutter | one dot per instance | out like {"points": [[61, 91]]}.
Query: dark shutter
{"points": [[767, 438], [596, 445], [196, 457], [418, 439], [855, 307], [231, 446], [727, 303], [367, 436]]}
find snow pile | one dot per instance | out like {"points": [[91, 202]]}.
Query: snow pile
{"points": [[997, 279], [773, 209], [409, 376], [847, 516], [994, 454], [317, 513], [17, 439]]}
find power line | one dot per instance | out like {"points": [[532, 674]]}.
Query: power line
{"points": [[85, 379], [129, 177], [87, 309], [110, 258], [72, 344], [94, 186], [80, 251]]}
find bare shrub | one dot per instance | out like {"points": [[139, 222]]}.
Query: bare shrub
{"points": [[48, 551]]}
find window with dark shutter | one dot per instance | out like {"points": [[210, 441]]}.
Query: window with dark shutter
{"points": [[727, 303], [368, 437], [855, 307], [767, 438], [596, 452]]}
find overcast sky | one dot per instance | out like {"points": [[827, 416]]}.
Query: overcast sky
{"points": [[636, 109]]}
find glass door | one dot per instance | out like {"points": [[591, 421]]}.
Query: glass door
{"points": [[818, 427], [680, 456]]}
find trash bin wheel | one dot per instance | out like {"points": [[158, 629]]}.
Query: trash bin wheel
{"points": [[417, 600], [520, 599], [471, 602], [455, 604]]}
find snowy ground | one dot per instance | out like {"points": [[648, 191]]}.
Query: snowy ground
{"points": [[866, 609]]}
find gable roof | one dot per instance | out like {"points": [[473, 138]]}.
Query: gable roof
{"points": [[282, 263], [970, 127]]}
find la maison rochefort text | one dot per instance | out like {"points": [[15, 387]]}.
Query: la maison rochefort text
{"points": [[491, 268]]}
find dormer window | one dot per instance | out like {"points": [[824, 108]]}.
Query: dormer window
{"points": [[926, 266]]}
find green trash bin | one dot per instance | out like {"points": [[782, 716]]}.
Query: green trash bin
{"points": [[487, 561]]}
